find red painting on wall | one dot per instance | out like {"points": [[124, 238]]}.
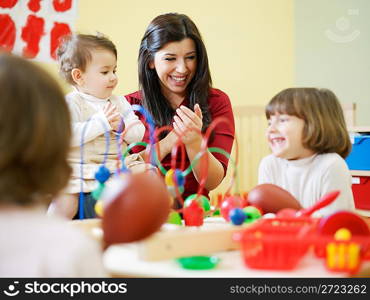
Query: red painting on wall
{"points": [[33, 28]]}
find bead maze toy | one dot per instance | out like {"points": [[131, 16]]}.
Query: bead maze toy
{"points": [[101, 175], [134, 206]]}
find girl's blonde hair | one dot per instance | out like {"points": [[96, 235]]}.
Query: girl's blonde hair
{"points": [[325, 129]]}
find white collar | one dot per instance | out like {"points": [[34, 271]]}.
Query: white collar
{"points": [[301, 162], [90, 97]]}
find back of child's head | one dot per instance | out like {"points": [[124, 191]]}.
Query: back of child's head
{"points": [[75, 52], [35, 133], [325, 129]]}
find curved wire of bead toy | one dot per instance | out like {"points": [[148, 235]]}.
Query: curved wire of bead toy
{"points": [[234, 178], [101, 175], [149, 121], [121, 157], [202, 158], [177, 176], [204, 144], [121, 166]]}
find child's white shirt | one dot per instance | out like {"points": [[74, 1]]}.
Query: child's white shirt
{"points": [[89, 125], [310, 178], [36, 245], [99, 124]]}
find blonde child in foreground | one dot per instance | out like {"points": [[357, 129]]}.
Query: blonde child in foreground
{"points": [[34, 143], [88, 63], [308, 138]]}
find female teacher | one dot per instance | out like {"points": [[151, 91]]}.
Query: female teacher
{"points": [[176, 88]]}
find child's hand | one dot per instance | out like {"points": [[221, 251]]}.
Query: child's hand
{"points": [[188, 124], [113, 116]]}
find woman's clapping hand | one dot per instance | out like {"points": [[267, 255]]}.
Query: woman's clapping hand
{"points": [[188, 124]]}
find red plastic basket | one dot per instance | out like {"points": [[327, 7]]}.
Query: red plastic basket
{"points": [[276, 244]]}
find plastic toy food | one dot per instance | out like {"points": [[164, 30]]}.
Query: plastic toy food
{"points": [[306, 212], [135, 206], [272, 198]]}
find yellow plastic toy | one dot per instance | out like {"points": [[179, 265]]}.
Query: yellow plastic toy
{"points": [[99, 208], [343, 255], [169, 178]]}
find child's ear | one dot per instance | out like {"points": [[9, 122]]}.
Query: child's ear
{"points": [[151, 65], [77, 76]]}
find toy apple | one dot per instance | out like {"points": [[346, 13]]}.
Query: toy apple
{"points": [[135, 206], [272, 198]]}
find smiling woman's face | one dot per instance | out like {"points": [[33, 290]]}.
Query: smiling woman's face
{"points": [[175, 64]]}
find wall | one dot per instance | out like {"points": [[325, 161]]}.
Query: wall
{"points": [[250, 43], [332, 49]]}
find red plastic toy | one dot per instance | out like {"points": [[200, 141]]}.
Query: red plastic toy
{"points": [[276, 244], [193, 214]]}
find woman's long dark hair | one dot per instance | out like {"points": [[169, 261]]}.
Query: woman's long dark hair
{"points": [[164, 29]]}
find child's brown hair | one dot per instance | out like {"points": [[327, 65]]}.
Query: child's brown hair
{"points": [[325, 129], [35, 133], [75, 52]]}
